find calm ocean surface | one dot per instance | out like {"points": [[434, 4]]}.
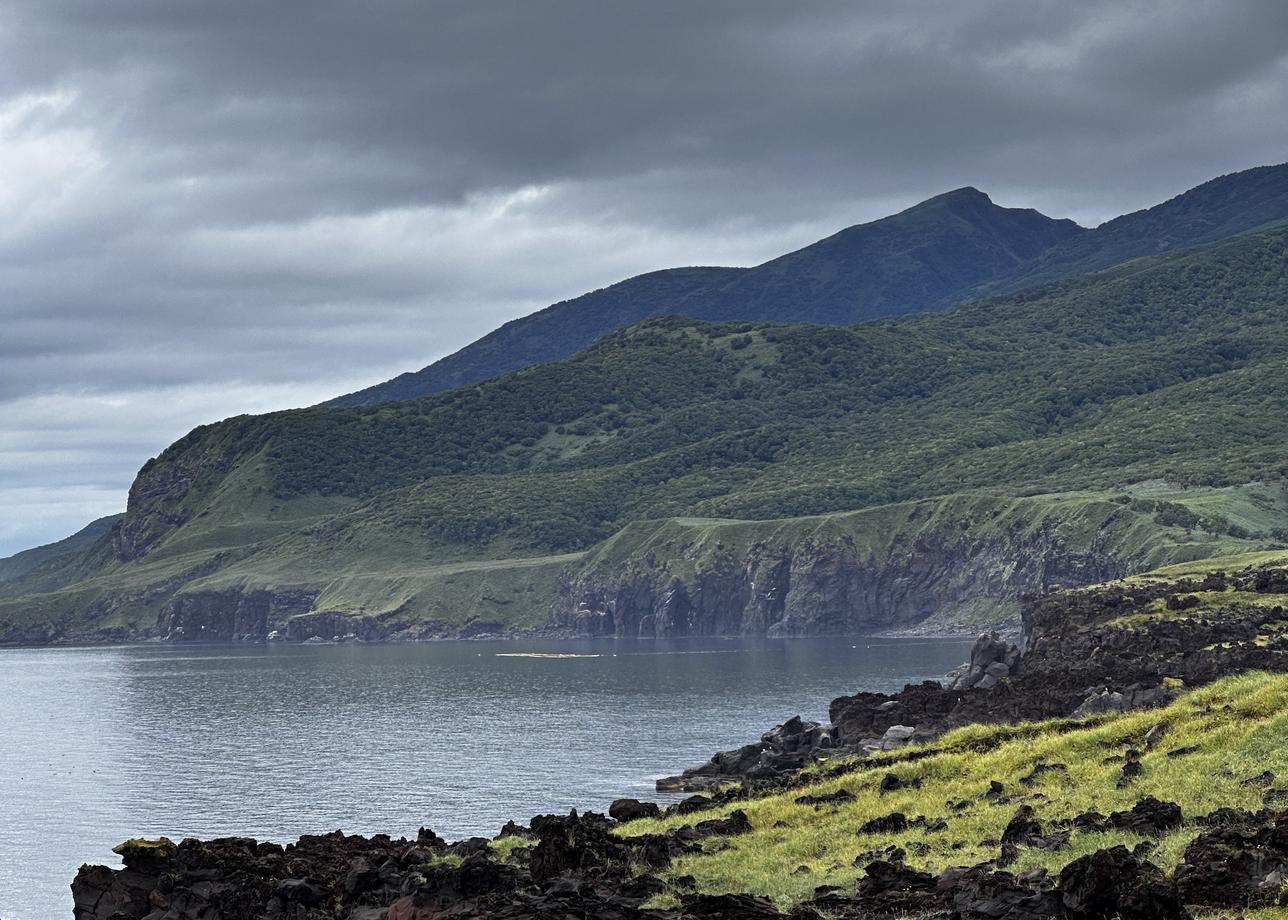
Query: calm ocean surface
{"points": [[100, 744]]}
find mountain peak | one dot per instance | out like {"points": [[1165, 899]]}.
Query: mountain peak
{"points": [[967, 193], [966, 198]]}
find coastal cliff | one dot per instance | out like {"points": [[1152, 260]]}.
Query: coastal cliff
{"points": [[941, 566], [1105, 649], [814, 589], [955, 565]]}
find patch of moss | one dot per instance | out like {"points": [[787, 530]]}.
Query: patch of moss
{"points": [[142, 844]]}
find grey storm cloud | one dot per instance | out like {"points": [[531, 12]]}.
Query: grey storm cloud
{"points": [[209, 208]]}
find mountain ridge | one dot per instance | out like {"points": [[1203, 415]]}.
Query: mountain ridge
{"points": [[1225, 206], [965, 266], [917, 257]]}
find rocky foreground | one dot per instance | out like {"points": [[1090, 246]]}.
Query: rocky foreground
{"points": [[887, 832], [1108, 649], [579, 868]]}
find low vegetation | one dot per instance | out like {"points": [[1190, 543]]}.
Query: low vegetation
{"points": [[1210, 749]]}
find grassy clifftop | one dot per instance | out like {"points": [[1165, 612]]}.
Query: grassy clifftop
{"points": [[965, 557]]}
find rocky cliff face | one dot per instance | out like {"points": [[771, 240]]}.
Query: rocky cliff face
{"points": [[233, 615], [951, 565], [162, 496], [817, 588]]}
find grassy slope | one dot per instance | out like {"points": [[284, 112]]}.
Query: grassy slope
{"points": [[21, 564], [1238, 723], [1174, 368], [373, 569], [1118, 519], [992, 530]]}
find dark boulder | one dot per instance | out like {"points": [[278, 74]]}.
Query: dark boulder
{"points": [[632, 810], [1023, 828], [991, 660], [839, 797], [1235, 865], [893, 889], [979, 894], [892, 823], [694, 803], [730, 907], [1149, 817], [735, 823], [1112, 883], [891, 783]]}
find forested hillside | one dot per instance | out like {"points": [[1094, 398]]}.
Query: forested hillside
{"points": [[1172, 369]]}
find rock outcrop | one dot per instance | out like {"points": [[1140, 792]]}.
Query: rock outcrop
{"points": [[231, 615], [576, 867], [1088, 651]]}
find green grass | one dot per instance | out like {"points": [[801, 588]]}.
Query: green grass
{"points": [[1197, 568], [1077, 521], [1239, 724], [503, 848]]}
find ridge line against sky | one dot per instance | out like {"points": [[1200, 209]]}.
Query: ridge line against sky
{"points": [[216, 208]]}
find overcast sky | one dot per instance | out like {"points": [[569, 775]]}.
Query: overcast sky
{"points": [[209, 208]]}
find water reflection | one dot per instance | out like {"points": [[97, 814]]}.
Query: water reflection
{"points": [[276, 741]]}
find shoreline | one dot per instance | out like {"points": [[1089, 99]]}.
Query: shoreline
{"points": [[553, 636], [1094, 658]]}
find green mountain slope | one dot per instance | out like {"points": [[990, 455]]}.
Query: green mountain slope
{"points": [[949, 249], [20, 564], [923, 258], [1168, 370]]}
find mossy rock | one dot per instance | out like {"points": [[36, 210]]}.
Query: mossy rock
{"points": [[137, 848]]}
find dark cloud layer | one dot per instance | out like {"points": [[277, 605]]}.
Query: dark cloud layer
{"points": [[216, 207]]}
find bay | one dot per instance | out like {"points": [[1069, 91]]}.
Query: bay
{"points": [[275, 741]]}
